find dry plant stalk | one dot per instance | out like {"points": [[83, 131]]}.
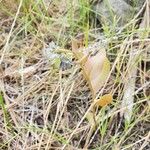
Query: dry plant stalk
{"points": [[129, 90], [128, 97]]}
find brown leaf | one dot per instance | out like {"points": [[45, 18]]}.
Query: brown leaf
{"points": [[95, 67]]}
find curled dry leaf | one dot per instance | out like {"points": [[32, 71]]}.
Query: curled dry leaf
{"points": [[94, 63]]}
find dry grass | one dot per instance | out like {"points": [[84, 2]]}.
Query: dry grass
{"points": [[44, 108]]}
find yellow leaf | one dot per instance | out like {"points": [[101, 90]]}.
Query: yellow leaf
{"points": [[104, 100]]}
